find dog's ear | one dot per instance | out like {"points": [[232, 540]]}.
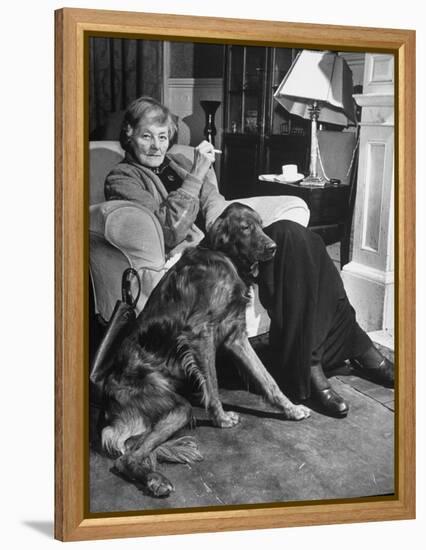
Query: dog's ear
{"points": [[218, 234]]}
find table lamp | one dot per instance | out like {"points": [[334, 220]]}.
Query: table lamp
{"points": [[318, 86]]}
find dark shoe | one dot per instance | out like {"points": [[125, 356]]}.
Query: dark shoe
{"points": [[375, 367], [331, 402], [323, 394]]}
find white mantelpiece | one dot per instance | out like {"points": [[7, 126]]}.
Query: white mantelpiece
{"points": [[369, 277]]}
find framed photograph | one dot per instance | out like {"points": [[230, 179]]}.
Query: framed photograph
{"points": [[235, 274]]}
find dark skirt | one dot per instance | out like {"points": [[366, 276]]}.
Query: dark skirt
{"points": [[311, 317]]}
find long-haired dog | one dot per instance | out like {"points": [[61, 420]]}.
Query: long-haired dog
{"points": [[197, 307]]}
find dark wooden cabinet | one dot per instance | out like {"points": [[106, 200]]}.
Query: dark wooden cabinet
{"points": [[259, 135], [279, 150], [240, 166]]}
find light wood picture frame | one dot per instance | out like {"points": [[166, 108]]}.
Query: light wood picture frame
{"points": [[73, 26]]}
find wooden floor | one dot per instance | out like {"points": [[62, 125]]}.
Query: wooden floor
{"points": [[266, 459]]}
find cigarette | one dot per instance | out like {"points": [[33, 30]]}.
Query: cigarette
{"points": [[217, 151]]}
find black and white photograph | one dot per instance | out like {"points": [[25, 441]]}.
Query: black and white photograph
{"points": [[241, 289]]}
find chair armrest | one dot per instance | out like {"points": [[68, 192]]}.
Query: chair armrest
{"points": [[275, 208], [131, 228], [123, 234]]}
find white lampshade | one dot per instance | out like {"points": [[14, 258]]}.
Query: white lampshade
{"points": [[320, 76]]}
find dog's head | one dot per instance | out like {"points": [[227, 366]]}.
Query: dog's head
{"points": [[238, 233]]}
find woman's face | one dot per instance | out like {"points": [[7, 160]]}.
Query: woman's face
{"points": [[150, 143]]}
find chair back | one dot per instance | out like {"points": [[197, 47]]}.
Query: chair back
{"points": [[338, 158], [103, 156], [337, 154]]}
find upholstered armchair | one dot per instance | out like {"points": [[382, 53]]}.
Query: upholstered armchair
{"points": [[124, 234]]}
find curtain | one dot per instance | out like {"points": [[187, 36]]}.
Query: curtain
{"points": [[120, 70]]}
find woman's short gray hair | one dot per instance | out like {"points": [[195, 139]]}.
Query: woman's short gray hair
{"points": [[150, 109]]}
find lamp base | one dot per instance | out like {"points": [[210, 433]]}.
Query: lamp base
{"points": [[314, 181]]}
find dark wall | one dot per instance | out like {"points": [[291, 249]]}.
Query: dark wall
{"points": [[208, 60], [181, 59], [193, 60]]}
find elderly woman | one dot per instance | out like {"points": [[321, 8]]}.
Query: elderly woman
{"points": [[313, 326]]}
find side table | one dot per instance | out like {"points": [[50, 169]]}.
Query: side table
{"points": [[330, 207]]}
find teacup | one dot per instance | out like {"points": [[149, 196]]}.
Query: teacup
{"points": [[289, 171]]}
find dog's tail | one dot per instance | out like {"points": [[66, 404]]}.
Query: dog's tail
{"points": [[183, 450]]}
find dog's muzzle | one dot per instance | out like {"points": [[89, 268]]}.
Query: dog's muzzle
{"points": [[269, 251]]}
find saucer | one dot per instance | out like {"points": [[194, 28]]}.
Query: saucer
{"points": [[280, 178]]}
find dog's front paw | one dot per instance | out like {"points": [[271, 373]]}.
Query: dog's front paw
{"points": [[297, 412], [158, 485], [227, 420]]}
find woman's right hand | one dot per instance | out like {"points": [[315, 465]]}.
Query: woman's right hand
{"points": [[203, 159]]}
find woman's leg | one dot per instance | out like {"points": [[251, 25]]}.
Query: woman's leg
{"points": [[312, 322], [300, 288]]}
